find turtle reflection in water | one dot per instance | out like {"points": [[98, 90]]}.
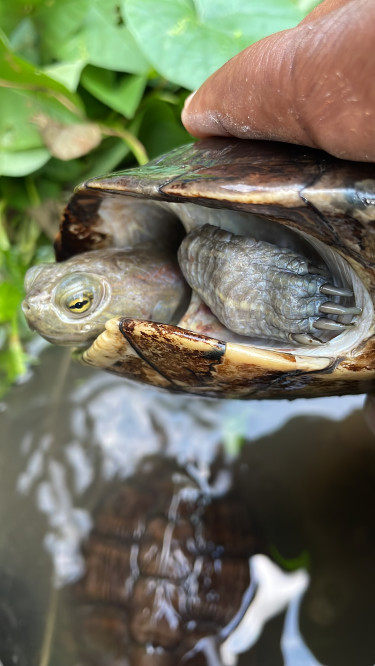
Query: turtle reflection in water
{"points": [[167, 572], [278, 252]]}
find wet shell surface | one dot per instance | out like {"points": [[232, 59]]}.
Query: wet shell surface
{"points": [[167, 571], [276, 235]]}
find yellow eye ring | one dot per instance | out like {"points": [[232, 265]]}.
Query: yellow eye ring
{"points": [[80, 302]]}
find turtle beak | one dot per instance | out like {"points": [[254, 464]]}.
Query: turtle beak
{"points": [[32, 307], [27, 309]]}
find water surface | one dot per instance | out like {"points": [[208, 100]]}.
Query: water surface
{"points": [[306, 471]]}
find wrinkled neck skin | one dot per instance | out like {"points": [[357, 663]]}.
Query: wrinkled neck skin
{"points": [[143, 282]]}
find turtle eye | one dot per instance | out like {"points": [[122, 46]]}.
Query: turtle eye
{"points": [[80, 302], [79, 295]]}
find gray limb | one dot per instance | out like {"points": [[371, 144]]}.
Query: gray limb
{"points": [[258, 289]]}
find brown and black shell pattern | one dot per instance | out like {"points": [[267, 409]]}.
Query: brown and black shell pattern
{"points": [[166, 570], [328, 202]]}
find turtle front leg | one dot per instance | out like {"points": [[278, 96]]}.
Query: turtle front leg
{"points": [[260, 290]]}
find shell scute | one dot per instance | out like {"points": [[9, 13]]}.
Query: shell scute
{"points": [[182, 357], [262, 173], [131, 601], [112, 351], [170, 357]]}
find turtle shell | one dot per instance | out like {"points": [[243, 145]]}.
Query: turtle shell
{"points": [[166, 569], [325, 203]]}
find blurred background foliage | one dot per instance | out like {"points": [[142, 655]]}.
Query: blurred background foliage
{"points": [[88, 86]]}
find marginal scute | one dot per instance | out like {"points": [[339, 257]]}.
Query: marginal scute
{"points": [[182, 357], [169, 357], [331, 197], [112, 352]]}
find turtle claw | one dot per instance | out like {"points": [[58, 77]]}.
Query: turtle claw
{"points": [[325, 324], [317, 270], [331, 290], [305, 339], [329, 307]]}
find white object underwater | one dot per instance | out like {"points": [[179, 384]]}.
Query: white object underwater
{"points": [[275, 591]]}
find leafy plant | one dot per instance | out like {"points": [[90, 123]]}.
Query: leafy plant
{"points": [[87, 86]]}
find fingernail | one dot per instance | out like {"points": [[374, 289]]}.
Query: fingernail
{"points": [[188, 100]]}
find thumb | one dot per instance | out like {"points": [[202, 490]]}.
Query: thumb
{"points": [[310, 85]]}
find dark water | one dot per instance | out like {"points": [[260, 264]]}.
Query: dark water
{"points": [[306, 473]]}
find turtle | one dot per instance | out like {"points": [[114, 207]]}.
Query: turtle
{"points": [[276, 247], [166, 570]]}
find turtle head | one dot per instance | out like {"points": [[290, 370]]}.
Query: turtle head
{"points": [[69, 302], [68, 305]]}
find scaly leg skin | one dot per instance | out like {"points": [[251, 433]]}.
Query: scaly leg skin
{"points": [[260, 290]]}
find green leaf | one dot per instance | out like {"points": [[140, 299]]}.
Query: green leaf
{"points": [[14, 269], [188, 40], [18, 74], [67, 73], [25, 92], [10, 298], [103, 40], [4, 240], [255, 19], [22, 149], [57, 23], [307, 5], [161, 130], [28, 234], [12, 14], [14, 193], [23, 162], [16, 131], [24, 40], [108, 156], [122, 95], [13, 360], [63, 172]]}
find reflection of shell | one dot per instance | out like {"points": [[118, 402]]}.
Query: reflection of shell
{"points": [[166, 565], [294, 197]]}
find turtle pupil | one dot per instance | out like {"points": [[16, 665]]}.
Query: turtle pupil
{"points": [[79, 305]]}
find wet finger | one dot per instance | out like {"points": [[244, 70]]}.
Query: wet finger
{"points": [[309, 85]]}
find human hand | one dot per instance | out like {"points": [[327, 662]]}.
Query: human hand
{"points": [[311, 85]]}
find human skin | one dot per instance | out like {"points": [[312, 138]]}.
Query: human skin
{"points": [[311, 85]]}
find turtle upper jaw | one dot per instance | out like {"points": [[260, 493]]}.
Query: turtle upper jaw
{"points": [[37, 311]]}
